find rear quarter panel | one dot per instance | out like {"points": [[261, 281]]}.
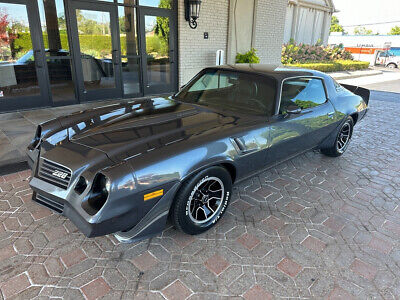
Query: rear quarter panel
{"points": [[345, 102]]}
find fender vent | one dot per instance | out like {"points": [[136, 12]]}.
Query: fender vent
{"points": [[241, 147], [238, 144]]}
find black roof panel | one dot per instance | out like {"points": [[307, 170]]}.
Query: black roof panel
{"points": [[278, 72]]}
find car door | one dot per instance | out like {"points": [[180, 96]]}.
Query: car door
{"points": [[258, 93], [305, 118]]}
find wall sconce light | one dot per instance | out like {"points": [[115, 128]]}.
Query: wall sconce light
{"points": [[192, 12]]}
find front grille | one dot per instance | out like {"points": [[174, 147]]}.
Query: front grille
{"points": [[53, 205], [54, 173]]}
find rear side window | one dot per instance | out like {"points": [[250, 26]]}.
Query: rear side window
{"points": [[337, 85], [302, 93]]}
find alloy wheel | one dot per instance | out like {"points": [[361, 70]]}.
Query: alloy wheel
{"points": [[205, 200], [344, 138]]}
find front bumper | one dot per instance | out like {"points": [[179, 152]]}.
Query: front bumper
{"points": [[53, 198], [136, 224], [125, 212]]}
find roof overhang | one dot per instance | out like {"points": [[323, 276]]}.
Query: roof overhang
{"points": [[326, 5]]}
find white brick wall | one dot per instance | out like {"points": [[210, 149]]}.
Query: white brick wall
{"points": [[195, 52], [270, 26]]}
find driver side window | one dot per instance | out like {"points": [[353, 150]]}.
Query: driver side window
{"points": [[302, 93]]}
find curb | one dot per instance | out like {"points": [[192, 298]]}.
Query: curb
{"points": [[350, 76], [13, 167]]}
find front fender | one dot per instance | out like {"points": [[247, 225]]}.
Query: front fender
{"points": [[121, 195], [156, 168], [215, 161]]}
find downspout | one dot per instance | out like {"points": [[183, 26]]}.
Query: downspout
{"points": [[231, 33], [253, 29]]}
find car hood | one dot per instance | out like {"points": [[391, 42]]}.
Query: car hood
{"points": [[129, 129]]}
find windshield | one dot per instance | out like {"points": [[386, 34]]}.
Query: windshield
{"points": [[229, 90], [26, 58]]}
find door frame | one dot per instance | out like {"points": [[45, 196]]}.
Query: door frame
{"points": [[101, 94], [44, 97], [173, 45]]}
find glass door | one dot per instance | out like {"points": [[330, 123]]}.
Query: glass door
{"points": [[130, 58], [158, 42], [58, 58], [96, 51], [23, 73]]}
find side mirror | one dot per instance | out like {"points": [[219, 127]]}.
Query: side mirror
{"points": [[232, 80], [293, 110]]}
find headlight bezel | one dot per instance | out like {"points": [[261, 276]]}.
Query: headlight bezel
{"points": [[98, 194], [36, 139]]}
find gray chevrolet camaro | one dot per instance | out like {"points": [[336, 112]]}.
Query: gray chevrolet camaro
{"points": [[125, 168]]}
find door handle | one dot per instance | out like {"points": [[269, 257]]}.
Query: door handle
{"points": [[38, 62]]}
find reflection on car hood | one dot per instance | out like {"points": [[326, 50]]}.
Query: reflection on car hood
{"points": [[132, 128]]}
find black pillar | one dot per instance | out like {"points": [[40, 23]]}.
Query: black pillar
{"points": [[53, 31]]}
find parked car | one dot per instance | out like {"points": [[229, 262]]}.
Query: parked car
{"points": [[125, 168], [59, 67], [387, 59]]}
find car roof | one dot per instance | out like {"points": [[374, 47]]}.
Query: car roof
{"points": [[276, 71]]}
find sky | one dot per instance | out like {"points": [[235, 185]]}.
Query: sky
{"points": [[355, 12]]}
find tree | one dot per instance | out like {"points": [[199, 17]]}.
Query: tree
{"points": [[395, 30], [8, 35], [4, 28], [335, 26], [362, 31], [122, 27], [162, 25], [62, 24]]}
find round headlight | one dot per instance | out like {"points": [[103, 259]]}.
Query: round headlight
{"points": [[81, 185], [98, 194]]}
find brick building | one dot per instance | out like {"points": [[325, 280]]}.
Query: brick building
{"points": [[308, 21], [62, 52]]}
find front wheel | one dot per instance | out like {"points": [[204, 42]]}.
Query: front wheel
{"points": [[342, 141], [202, 200]]}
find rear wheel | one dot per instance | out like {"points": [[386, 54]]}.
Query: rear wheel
{"points": [[392, 66], [202, 200], [342, 141]]}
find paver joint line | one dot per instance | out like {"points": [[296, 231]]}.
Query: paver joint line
{"points": [[313, 227]]}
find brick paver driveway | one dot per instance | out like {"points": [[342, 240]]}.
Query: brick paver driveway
{"points": [[313, 227]]}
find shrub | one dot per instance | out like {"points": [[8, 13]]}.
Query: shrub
{"points": [[333, 66], [156, 45], [299, 53], [250, 57], [91, 44]]}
